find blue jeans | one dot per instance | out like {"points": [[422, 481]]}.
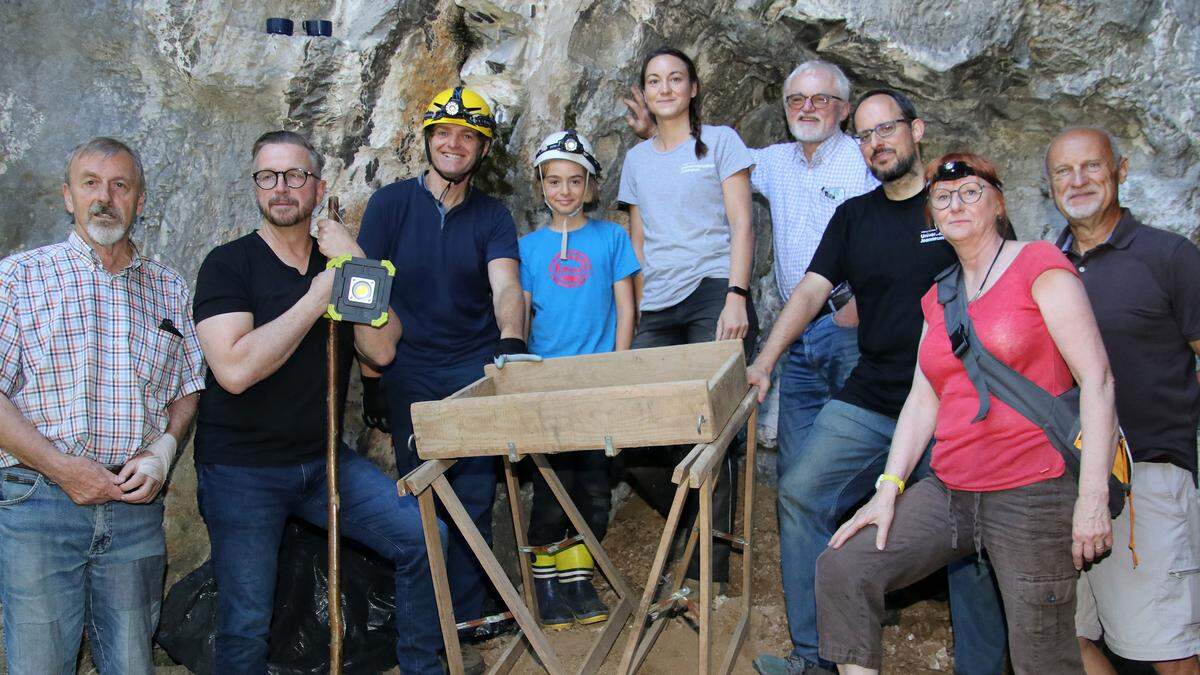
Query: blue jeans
{"points": [[817, 366], [846, 451], [246, 508], [63, 565], [473, 478]]}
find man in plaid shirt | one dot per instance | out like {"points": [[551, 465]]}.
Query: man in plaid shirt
{"points": [[99, 373]]}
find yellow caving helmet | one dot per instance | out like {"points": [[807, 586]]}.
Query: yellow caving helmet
{"points": [[463, 107]]}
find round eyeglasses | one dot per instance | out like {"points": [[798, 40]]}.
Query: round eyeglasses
{"points": [[267, 179], [969, 193]]}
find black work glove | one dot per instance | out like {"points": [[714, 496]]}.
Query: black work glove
{"points": [[374, 413], [511, 346]]}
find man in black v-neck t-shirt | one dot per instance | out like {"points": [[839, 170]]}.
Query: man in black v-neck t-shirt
{"points": [[883, 245], [261, 430]]}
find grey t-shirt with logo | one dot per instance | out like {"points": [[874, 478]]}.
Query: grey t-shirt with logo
{"points": [[683, 211]]}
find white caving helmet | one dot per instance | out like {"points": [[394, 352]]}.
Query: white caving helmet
{"points": [[568, 145]]}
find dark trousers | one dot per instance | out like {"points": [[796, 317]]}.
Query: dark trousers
{"points": [[473, 478], [1027, 534], [584, 475], [649, 470], [246, 508]]}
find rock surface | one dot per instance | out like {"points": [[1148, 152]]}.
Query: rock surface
{"points": [[191, 83]]}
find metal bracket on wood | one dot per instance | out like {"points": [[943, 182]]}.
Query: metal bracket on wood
{"points": [[609, 450], [700, 420], [552, 548], [494, 618], [669, 603], [512, 453], [736, 541]]}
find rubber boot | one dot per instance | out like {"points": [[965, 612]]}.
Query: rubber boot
{"points": [[552, 607], [575, 569]]}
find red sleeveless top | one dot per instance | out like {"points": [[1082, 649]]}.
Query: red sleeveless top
{"points": [[1003, 450]]}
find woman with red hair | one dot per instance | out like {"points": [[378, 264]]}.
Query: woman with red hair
{"points": [[999, 484]]}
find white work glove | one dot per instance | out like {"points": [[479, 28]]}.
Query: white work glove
{"points": [[162, 453]]}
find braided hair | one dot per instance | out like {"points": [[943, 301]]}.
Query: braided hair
{"points": [[694, 104]]}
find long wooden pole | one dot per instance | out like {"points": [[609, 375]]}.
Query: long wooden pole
{"points": [[331, 478]]}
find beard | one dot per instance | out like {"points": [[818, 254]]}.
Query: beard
{"points": [[1082, 211], [297, 215], [808, 134], [904, 164], [104, 225]]}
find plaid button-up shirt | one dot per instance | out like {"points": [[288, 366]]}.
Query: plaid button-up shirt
{"points": [[93, 359], [804, 195]]}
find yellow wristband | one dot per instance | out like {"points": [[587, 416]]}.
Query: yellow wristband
{"points": [[889, 478]]}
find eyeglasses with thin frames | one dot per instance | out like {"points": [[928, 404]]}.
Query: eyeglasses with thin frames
{"points": [[819, 101], [883, 130], [968, 193]]}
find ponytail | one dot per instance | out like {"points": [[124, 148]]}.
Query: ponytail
{"points": [[694, 120], [694, 104]]}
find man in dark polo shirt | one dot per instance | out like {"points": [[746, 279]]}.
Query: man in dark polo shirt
{"points": [[1144, 284], [261, 430], [458, 293], [882, 244]]}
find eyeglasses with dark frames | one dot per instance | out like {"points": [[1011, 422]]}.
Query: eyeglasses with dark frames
{"points": [[295, 179], [969, 193]]}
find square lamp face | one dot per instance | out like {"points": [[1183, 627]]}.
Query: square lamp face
{"points": [[360, 291]]}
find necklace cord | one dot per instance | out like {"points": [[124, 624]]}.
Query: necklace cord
{"points": [[988, 273]]}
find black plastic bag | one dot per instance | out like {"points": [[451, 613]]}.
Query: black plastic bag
{"points": [[299, 635], [187, 623]]}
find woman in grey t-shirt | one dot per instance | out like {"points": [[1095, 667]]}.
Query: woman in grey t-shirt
{"points": [[688, 192]]}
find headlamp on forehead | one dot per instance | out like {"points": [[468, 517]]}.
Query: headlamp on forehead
{"points": [[456, 109], [955, 169], [571, 144]]}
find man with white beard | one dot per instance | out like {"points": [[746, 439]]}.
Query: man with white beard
{"points": [[99, 373], [1144, 285]]}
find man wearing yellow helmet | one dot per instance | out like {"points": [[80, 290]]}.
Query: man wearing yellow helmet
{"points": [[458, 295], [464, 108]]}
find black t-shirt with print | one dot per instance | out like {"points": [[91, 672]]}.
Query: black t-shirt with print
{"points": [[890, 255]]}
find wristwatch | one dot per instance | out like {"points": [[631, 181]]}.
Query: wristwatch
{"points": [[889, 478], [738, 290]]}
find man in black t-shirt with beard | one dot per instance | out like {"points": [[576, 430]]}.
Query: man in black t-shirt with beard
{"points": [[261, 430], [881, 243]]}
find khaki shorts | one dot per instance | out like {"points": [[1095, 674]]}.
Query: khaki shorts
{"points": [[1152, 612]]}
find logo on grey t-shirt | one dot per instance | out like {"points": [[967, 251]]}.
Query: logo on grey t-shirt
{"points": [[693, 167]]}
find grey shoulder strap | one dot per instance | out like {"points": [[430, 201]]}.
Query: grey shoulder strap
{"points": [[986, 372], [951, 297]]}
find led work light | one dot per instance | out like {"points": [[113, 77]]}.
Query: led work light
{"points": [[361, 290]]}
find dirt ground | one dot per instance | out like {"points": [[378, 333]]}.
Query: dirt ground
{"points": [[921, 643]]}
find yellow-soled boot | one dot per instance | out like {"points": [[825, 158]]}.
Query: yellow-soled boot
{"points": [[552, 606], [575, 569]]}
